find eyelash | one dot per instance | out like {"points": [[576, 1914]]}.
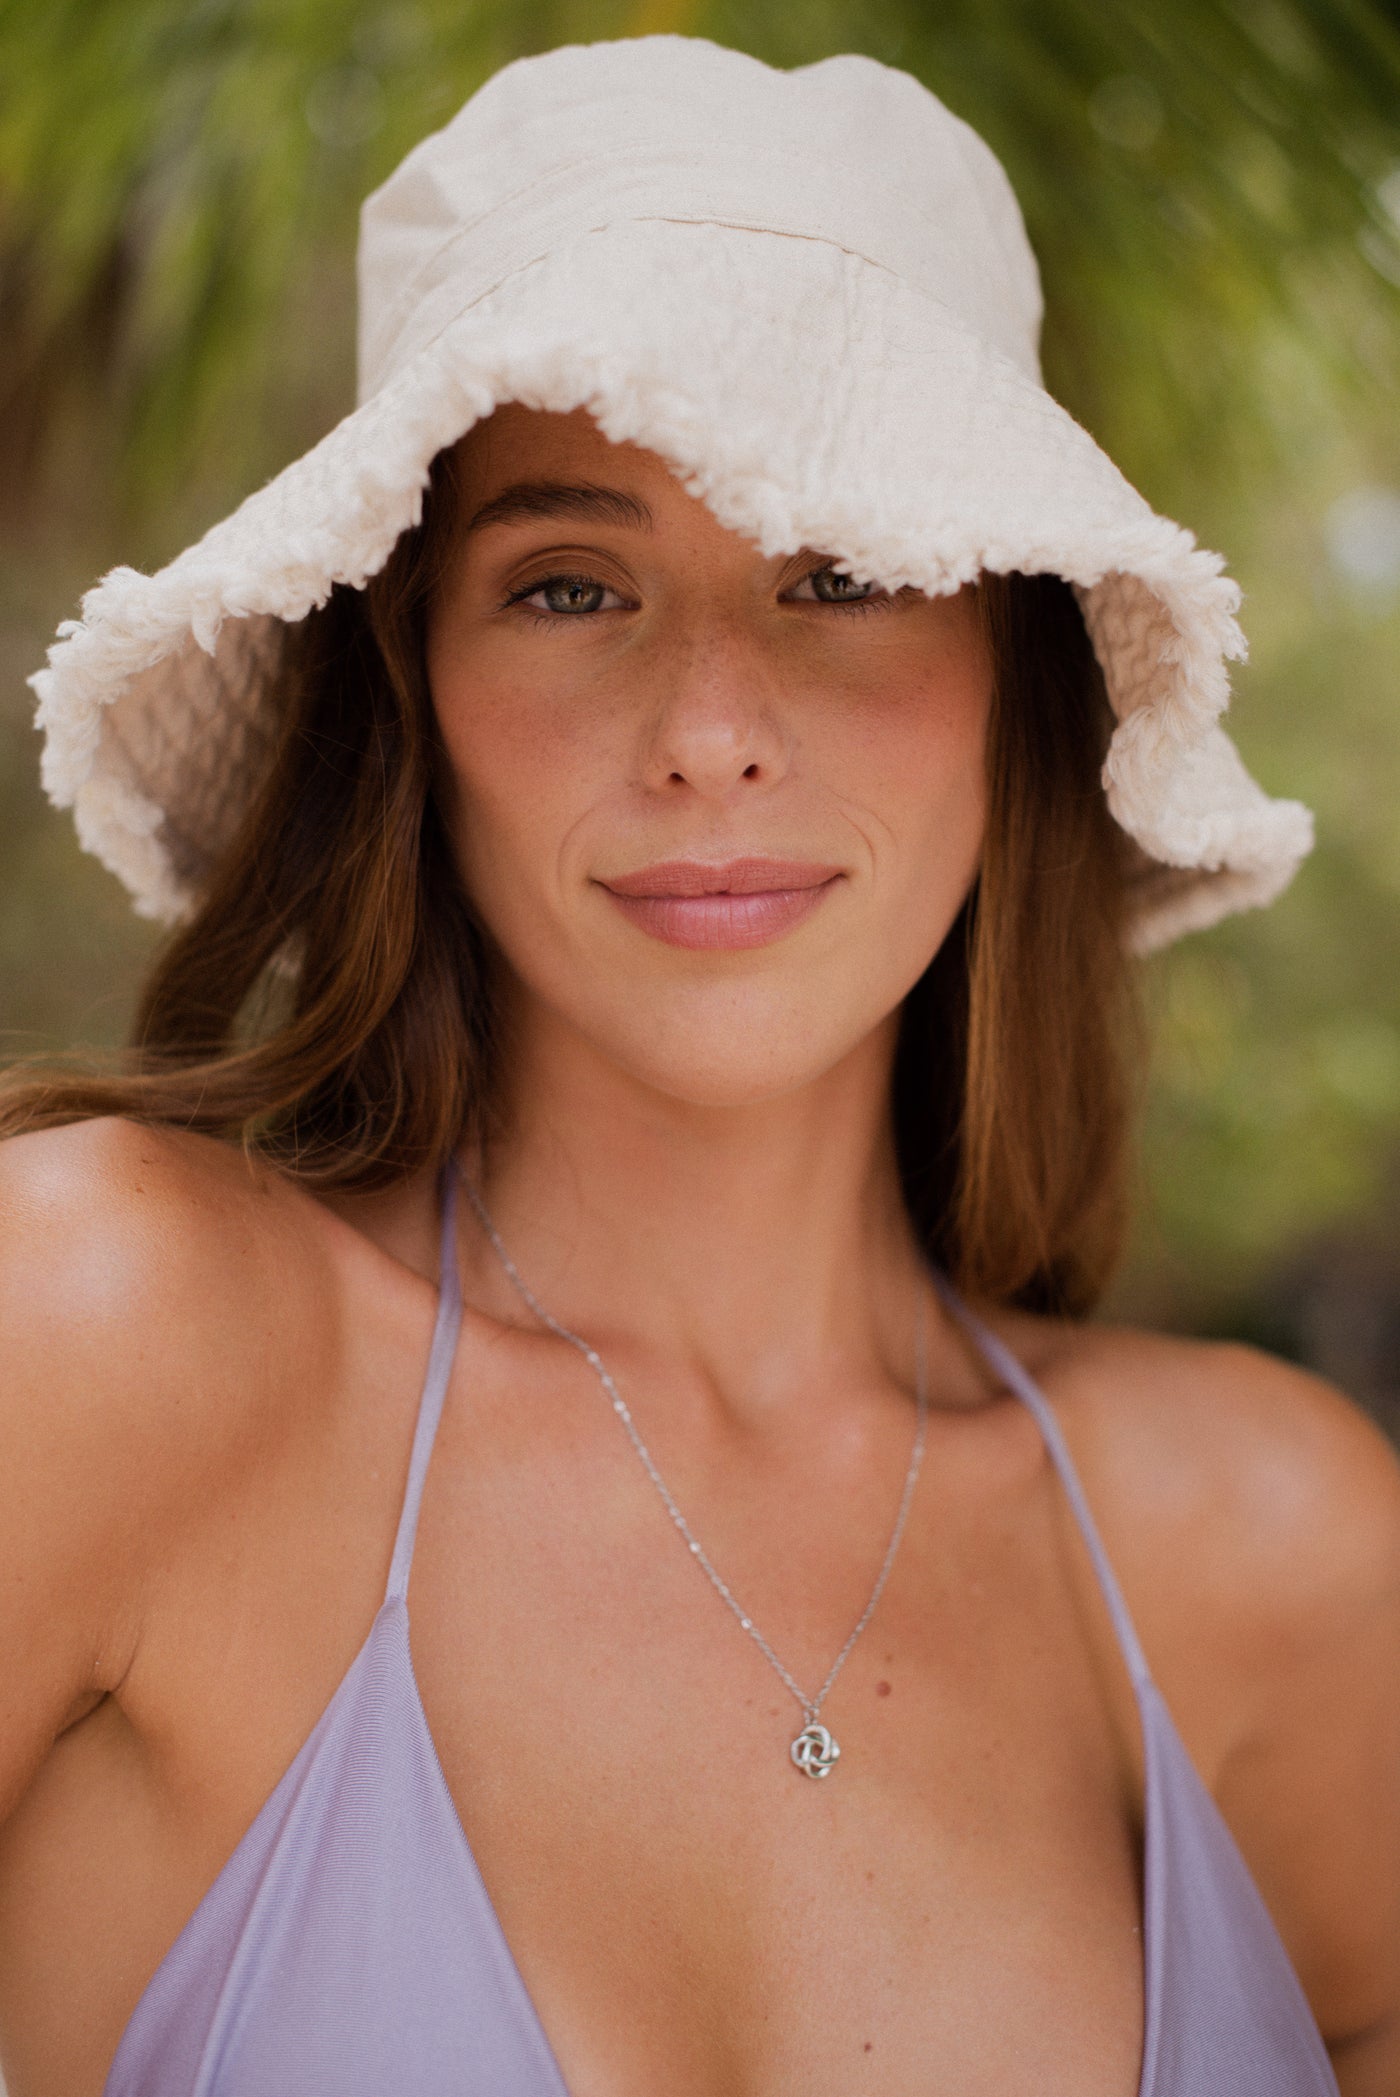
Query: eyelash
{"points": [[516, 599], [885, 601]]}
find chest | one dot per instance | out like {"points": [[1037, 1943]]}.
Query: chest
{"points": [[686, 1910], [959, 1897]]}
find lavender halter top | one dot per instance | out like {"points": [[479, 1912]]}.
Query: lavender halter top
{"points": [[348, 1948]]}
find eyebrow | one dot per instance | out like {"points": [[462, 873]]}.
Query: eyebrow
{"points": [[537, 499]]}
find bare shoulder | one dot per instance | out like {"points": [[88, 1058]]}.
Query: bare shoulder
{"points": [[1248, 1475], [141, 1276], [140, 1273], [139, 1255]]}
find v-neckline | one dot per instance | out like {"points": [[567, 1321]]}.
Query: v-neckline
{"points": [[393, 1620], [1150, 1852], [449, 1804]]}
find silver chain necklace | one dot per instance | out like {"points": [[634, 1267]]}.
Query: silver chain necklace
{"points": [[814, 1751]]}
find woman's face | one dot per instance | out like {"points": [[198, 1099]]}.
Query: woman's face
{"points": [[717, 810]]}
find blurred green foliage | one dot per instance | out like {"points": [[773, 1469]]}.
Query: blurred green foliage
{"points": [[1213, 187]]}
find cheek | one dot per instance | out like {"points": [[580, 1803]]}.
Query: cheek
{"points": [[516, 772], [912, 778]]}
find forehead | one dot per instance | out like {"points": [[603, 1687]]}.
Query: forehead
{"points": [[518, 445]]}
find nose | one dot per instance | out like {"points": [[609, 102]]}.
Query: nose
{"points": [[716, 723]]}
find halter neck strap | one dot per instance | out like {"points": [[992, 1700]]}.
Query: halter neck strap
{"points": [[1000, 1358], [444, 1347]]}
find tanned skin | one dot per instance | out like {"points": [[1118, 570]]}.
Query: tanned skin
{"points": [[209, 1379]]}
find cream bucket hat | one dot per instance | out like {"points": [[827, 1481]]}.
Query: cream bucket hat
{"points": [[812, 294]]}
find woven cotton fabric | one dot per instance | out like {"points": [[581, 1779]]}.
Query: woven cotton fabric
{"points": [[811, 293]]}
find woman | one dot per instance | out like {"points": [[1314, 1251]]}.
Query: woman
{"points": [[652, 951]]}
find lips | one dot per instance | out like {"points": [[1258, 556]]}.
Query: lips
{"points": [[721, 905]]}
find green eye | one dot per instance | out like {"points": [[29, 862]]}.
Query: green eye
{"points": [[570, 593], [829, 586]]}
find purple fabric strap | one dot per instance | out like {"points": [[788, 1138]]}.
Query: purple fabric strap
{"points": [[1225, 2015], [440, 1359], [1004, 1362]]}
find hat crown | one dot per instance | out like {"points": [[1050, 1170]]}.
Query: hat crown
{"points": [[846, 151]]}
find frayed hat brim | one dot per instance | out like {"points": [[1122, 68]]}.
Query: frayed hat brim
{"points": [[926, 460]]}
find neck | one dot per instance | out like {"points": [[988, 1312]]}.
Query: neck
{"points": [[765, 1243]]}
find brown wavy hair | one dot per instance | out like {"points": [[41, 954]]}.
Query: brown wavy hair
{"points": [[329, 1006]]}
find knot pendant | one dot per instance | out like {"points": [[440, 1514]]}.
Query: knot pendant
{"points": [[814, 1751]]}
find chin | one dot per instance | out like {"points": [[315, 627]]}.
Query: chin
{"points": [[726, 1053]]}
